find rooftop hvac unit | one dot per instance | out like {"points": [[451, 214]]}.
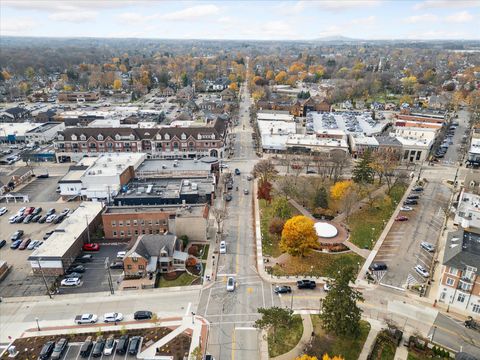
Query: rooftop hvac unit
{"points": [[194, 186], [186, 182]]}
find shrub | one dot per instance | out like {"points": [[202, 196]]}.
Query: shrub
{"points": [[191, 261], [193, 250]]}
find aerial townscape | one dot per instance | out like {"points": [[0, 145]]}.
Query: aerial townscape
{"points": [[241, 180]]}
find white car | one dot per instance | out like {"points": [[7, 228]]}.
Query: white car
{"points": [[230, 284], [327, 287], [223, 247], [224, 166], [406, 208], [3, 210], [112, 317], [422, 271], [21, 210], [121, 255], [51, 218], [32, 245], [427, 246], [13, 219], [70, 282], [109, 346]]}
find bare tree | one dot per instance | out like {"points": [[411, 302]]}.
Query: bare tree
{"points": [[220, 215], [340, 160]]}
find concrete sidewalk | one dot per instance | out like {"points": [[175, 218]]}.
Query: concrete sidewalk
{"points": [[375, 327], [304, 340]]}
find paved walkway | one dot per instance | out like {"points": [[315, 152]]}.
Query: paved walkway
{"points": [[375, 328], [305, 339]]}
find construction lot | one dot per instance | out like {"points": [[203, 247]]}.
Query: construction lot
{"points": [[401, 249]]}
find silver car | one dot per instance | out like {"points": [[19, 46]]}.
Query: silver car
{"points": [[427, 246], [422, 271]]}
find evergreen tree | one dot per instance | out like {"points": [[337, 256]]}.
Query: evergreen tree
{"points": [[363, 172], [340, 313], [321, 198]]}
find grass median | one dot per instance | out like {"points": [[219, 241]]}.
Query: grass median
{"points": [[285, 338]]}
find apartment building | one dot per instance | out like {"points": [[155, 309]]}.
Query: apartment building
{"points": [[78, 96], [167, 142]]}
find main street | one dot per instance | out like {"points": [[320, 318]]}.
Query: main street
{"points": [[232, 313]]}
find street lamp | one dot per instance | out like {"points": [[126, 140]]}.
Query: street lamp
{"points": [[38, 325], [193, 318]]}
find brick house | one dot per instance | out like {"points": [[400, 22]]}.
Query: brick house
{"points": [[79, 96], [153, 254], [166, 142], [460, 279]]}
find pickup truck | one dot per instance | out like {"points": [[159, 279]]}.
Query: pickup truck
{"points": [[86, 319]]}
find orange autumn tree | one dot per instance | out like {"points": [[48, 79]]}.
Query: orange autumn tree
{"points": [[298, 236], [324, 357]]}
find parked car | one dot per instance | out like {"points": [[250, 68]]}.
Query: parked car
{"points": [[413, 197], [65, 211], [50, 218], [410, 202], [112, 317], [237, 171], [70, 282], [43, 219], [3, 210], [47, 350], [109, 346], [28, 219], [116, 265], [121, 254], [37, 211], [422, 271], [85, 258], [13, 219], [230, 284], [17, 235], [406, 208], [38, 245], [3, 243], [32, 245], [134, 345], [78, 268], [29, 210], [73, 275], [122, 345], [327, 287], [58, 219], [86, 319], [86, 347], [427, 246], [282, 289], [142, 315], [91, 247], [377, 266], [59, 349], [98, 347], [36, 218], [223, 247], [15, 244], [228, 197], [20, 219], [249, 177], [306, 284], [51, 211], [245, 191], [401, 218]]}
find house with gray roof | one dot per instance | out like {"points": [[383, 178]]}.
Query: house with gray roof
{"points": [[154, 253]]}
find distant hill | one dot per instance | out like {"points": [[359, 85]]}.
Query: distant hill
{"points": [[335, 38]]}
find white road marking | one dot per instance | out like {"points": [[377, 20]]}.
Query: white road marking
{"points": [[263, 295], [208, 301], [246, 328], [188, 309]]}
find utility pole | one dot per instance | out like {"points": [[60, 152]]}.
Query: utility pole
{"points": [[44, 279], [110, 283]]}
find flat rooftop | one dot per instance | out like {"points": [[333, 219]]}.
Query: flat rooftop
{"points": [[159, 167], [114, 164], [68, 231], [274, 115], [194, 209], [18, 129], [349, 122], [44, 127]]}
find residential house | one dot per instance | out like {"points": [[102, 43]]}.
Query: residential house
{"points": [[186, 93], [228, 95], [152, 254], [168, 91]]}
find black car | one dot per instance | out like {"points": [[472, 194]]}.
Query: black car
{"points": [[47, 235], [306, 284], [122, 345], [98, 347], [37, 211], [59, 349], [59, 219], [410, 202], [237, 171], [47, 350], [17, 235], [142, 315], [28, 219], [86, 347], [42, 219], [36, 218], [77, 269], [116, 265], [377, 266], [228, 197], [85, 258], [134, 345], [413, 197], [418, 189], [20, 219], [283, 289], [3, 243], [50, 211]]}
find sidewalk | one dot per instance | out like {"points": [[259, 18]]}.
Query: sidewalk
{"points": [[375, 327], [304, 340]]}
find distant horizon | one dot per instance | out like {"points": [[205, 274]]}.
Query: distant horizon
{"points": [[294, 20]]}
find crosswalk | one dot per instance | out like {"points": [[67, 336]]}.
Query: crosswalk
{"points": [[378, 275], [411, 280]]}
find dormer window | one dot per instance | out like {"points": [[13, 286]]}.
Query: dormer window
{"points": [[132, 137], [183, 136], [199, 137], [83, 137], [74, 137], [159, 136], [167, 137], [117, 137], [60, 137], [100, 137]]}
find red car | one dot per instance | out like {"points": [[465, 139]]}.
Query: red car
{"points": [[401, 218], [28, 210], [91, 247]]}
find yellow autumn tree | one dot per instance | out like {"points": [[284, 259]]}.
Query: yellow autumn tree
{"points": [[270, 75], [258, 94], [6, 75], [340, 189], [409, 83], [298, 236], [281, 77], [233, 86], [117, 84], [122, 68], [67, 87], [306, 357]]}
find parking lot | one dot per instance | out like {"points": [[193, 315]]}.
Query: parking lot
{"points": [[95, 277], [42, 189], [73, 353], [401, 249]]}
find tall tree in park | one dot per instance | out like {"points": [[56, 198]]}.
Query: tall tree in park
{"points": [[363, 172], [321, 198], [340, 312], [264, 191], [273, 318], [347, 193], [264, 170], [298, 236]]}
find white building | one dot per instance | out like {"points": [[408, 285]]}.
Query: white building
{"points": [[274, 134], [15, 132], [313, 143], [44, 132], [473, 156], [359, 143], [274, 115], [100, 178], [348, 122], [415, 150]]}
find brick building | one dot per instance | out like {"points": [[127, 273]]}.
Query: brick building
{"points": [[78, 96]]}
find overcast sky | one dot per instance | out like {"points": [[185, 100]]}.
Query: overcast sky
{"points": [[262, 20]]}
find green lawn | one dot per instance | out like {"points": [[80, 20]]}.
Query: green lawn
{"points": [[415, 356], [205, 252], [384, 348], [286, 338], [367, 224], [183, 280], [348, 348], [318, 264]]}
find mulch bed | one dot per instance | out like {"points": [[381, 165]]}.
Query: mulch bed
{"points": [[178, 347]]}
